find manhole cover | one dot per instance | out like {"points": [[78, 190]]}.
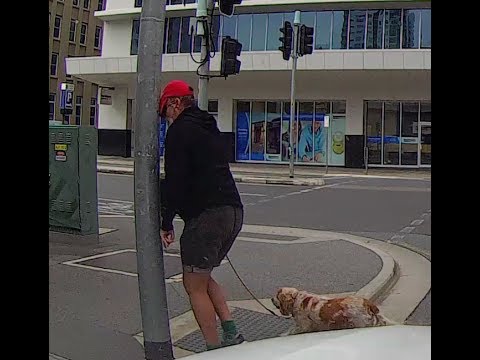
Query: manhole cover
{"points": [[252, 324]]}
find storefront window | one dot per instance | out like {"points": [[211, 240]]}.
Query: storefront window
{"points": [[274, 129], [409, 146], [258, 131], [391, 131], [373, 132], [243, 130]]}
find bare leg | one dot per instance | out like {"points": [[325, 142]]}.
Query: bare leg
{"points": [[196, 285], [218, 299]]}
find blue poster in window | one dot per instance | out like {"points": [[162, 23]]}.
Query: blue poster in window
{"points": [[243, 138]]}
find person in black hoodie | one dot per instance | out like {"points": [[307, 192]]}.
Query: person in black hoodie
{"points": [[200, 188]]}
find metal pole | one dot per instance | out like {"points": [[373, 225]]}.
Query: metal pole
{"points": [[365, 159], [296, 25], [326, 152], [204, 70], [151, 276]]}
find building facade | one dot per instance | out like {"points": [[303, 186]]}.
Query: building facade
{"points": [[369, 75], [74, 31]]}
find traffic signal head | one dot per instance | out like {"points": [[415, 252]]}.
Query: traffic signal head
{"points": [[305, 43], [231, 48], [286, 40], [226, 6]]}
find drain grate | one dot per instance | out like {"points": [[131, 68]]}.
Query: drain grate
{"points": [[252, 324]]}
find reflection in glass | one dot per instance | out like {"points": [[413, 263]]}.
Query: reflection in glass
{"points": [[392, 28], [340, 29], [358, 20], [391, 134], [185, 37], [426, 35], [258, 130], [135, 37], [274, 115], [275, 22], [229, 27], [311, 144], [323, 30], [411, 29], [216, 32], [308, 19], [409, 146], [286, 132], [426, 145], [259, 32], [244, 30], [374, 29], [243, 130], [173, 35], [373, 114]]}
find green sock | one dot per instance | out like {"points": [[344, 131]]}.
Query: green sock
{"points": [[212, 347], [229, 329]]}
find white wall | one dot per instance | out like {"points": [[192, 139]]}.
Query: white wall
{"points": [[117, 37], [120, 4], [114, 116]]}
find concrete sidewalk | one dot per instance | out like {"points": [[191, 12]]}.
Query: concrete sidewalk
{"points": [[278, 173]]}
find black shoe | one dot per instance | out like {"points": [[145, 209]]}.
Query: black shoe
{"points": [[238, 339]]}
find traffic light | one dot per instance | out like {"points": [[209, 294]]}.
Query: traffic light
{"points": [[286, 40], [305, 40], [226, 6], [231, 48]]}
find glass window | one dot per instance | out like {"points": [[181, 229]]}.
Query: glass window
{"points": [[100, 5], [135, 37], [98, 37], [93, 111], [290, 16], [185, 37], [322, 107], [391, 133], [83, 33], [323, 30], [213, 106], [259, 27], [340, 29], [165, 34], [243, 130], [274, 128], [373, 131], [411, 29], [275, 22], [392, 29], [426, 35], [73, 30], [57, 27], [339, 107], [229, 26], [244, 30], [51, 103], [78, 110], [216, 32], [86, 4], [54, 64], [173, 35], [138, 3], [374, 29], [176, 2], [409, 146], [75, 3], [358, 20], [308, 18], [306, 141], [258, 131], [426, 112], [286, 131]]}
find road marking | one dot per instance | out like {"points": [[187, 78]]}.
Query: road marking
{"points": [[407, 229], [118, 201], [249, 194], [395, 237], [416, 222]]}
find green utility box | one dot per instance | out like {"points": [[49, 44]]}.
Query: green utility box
{"points": [[72, 199]]}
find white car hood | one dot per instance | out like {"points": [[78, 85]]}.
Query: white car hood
{"points": [[399, 342]]}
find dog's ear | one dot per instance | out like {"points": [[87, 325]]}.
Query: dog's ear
{"points": [[285, 300]]}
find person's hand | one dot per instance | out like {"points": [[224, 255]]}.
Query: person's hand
{"points": [[306, 158], [318, 157], [168, 237]]}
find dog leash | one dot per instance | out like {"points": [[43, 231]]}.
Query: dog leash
{"points": [[249, 291]]}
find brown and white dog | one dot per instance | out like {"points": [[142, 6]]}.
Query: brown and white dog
{"points": [[313, 312]]}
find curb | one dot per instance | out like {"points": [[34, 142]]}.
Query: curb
{"points": [[237, 178]]}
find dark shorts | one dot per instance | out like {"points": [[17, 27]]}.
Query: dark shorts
{"points": [[206, 239]]}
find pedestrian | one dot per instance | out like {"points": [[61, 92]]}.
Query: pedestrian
{"points": [[199, 187]]}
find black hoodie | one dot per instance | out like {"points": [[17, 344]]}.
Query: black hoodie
{"points": [[197, 174]]}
